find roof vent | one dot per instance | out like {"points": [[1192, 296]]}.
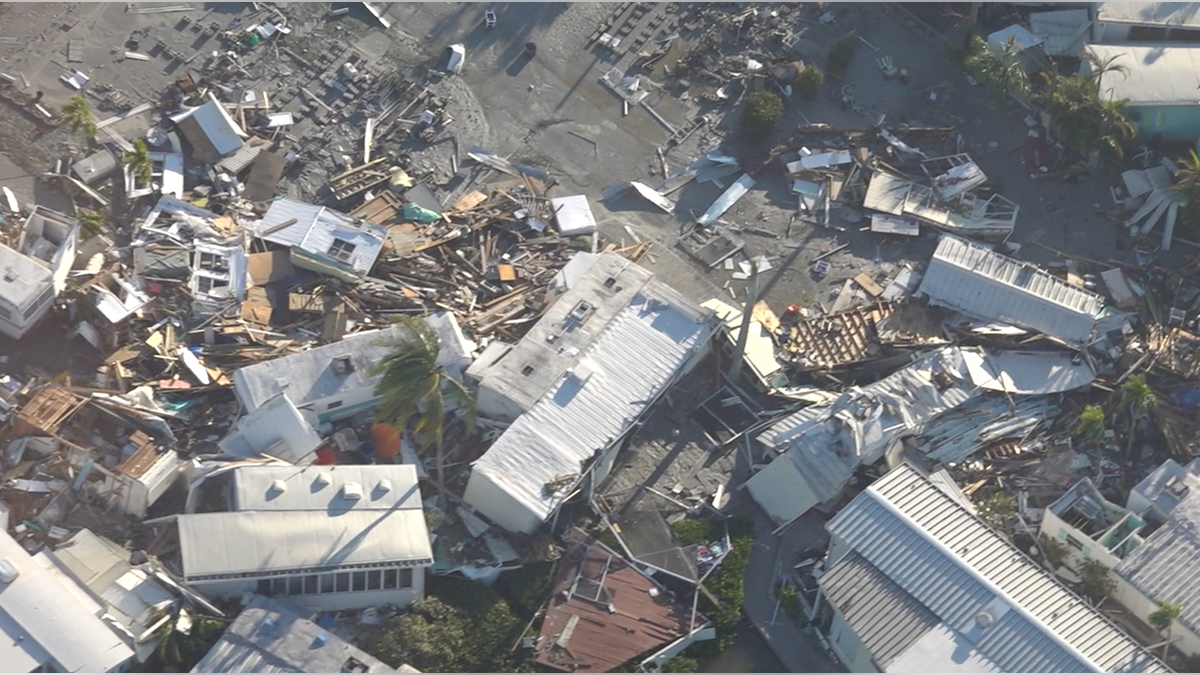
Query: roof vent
{"points": [[384, 485], [352, 491], [8, 571], [324, 478], [342, 365], [10, 275], [984, 620], [278, 486]]}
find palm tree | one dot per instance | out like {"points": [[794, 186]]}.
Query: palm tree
{"points": [[78, 115], [1099, 67], [1137, 396], [1163, 619], [139, 162], [1091, 424], [414, 384]]}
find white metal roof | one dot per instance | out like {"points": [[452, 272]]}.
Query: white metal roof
{"points": [[958, 567], [1175, 14], [217, 125], [315, 229], [308, 376], [1021, 36], [275, 428], [271, 637], [1155, 74], [977, 281], [822, 444], [43, 621], [261, 543], [617, 376], [319, 488], [1065, 31], [1164, 566], [1153, 488], [22, 281]]}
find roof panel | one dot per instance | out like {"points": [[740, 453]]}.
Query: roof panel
{"points": [[263, 542], [957, 567], [972, 279]]}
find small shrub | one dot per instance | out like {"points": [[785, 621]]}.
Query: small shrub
{"points": [[681, 664], [809, 81], [840, 56], [1091, 424], [762, 113], [1095, 584]]}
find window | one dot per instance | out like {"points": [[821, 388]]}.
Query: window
{"points": [[327, 583], [1074, 543], [389, 579], [373, 580], [343, 582], [295, 586], [213, 262], [279, 586], [342, 250], [264, 587], [406, 577], [333, 404], [5, 313], [310, 584], [360, 581], [45, 298], [209, 284]]}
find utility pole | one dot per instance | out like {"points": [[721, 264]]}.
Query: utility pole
{"points": [[739, 351]]}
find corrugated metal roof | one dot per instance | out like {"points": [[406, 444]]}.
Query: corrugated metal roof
{"points": [[319, 488], [271, 637], [627, 366], [958, 567], [317, 227], [884, 616], [955, 436], [601, 639], [219, 129], [240, 159], [1164, 566], [972, 279], [825, 442], [251, 543], [42, 621], [1151, 74]]}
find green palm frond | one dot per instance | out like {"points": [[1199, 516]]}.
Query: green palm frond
{"points": [[78, 116], [139, 162]]}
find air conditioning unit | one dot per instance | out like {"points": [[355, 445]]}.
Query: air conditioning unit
{"points": [[346, 440]]}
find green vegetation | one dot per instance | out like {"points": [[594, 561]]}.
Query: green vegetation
{"points": [[1002, 71], [840, 56], [762, 113], [809, 81], [139, 162], [179, 650], [1054, 550], [1137, 396], [727, 582], [91, 222], [681, 664], [997, 511], [459, 626], [77, 115], [1163, 619], [413, 383], [1095, 584], [789, 600], [1091, 424], [1085, 121], [528, 588], [1187, 181]]}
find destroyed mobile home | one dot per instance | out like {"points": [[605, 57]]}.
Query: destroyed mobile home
{"points": [[227, 456]]}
